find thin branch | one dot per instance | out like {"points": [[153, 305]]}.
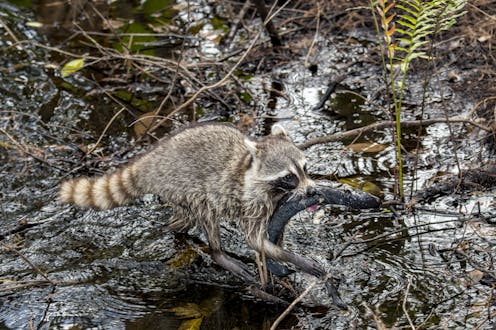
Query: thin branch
{"points": [[384, 124], [403, 305], [331, 87], [489, 318], [293, 304], [9, 287], [237, 22], [27, 150], [315, 37], [105, 130], [9, 31], [378, 322], [8, 247]]}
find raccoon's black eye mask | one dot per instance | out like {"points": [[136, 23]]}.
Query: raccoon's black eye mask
{"points": [[288, 182]]}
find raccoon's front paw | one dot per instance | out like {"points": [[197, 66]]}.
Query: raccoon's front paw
{"points": [[310, 266]]}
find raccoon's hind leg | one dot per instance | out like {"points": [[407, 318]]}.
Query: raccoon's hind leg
{"points": [[236, 267], [307, 265]]}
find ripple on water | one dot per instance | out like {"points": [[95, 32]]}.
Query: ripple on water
{"points": [[82, 306]]}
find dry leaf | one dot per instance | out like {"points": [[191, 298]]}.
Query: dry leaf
{"points": [[365, 186], [112, 24], [366, 147], [184, 258], [144, 122], [193, 324], [187, 311], [475, 276]]}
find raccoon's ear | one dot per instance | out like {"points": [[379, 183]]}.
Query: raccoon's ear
{"points": [[278, 130], [252, 147]]}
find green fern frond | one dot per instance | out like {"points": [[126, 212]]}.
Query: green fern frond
{"points": [[407, 27], [417, 21]]}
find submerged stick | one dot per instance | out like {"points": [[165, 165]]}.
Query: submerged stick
{"points": [[331, 87]]}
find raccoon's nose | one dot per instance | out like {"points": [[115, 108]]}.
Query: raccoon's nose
{"points": [[311, 191]]}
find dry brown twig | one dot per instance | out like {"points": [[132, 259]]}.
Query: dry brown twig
{"points": [[384, 124], [403, 305], [237, 22], [316, 35], [10, 248], [95, 145], [296, 301], [9, 287], [378, 322], [9, 31], [27, 150]]}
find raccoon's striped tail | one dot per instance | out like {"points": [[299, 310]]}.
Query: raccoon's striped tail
{"points": [[104, 192]]}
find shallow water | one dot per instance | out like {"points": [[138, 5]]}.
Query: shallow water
{"points": [[122, 269]]}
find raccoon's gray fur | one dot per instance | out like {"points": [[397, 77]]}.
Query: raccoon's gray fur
{"points": [[208, 173]]}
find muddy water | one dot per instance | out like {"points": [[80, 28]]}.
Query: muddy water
{"points": [[122, 269]]}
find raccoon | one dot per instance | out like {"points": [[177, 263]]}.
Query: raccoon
{"points": [[208, 173]]}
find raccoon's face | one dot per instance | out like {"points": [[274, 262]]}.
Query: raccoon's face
{"points": [[278, 166]]}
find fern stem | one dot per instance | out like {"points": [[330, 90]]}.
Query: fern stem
{"points": [[397, 102], [398, 106]]}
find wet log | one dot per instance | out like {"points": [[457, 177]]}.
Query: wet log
{"points": [[480, 178]]}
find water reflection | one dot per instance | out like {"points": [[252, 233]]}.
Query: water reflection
{"points": [[60, 18]]}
